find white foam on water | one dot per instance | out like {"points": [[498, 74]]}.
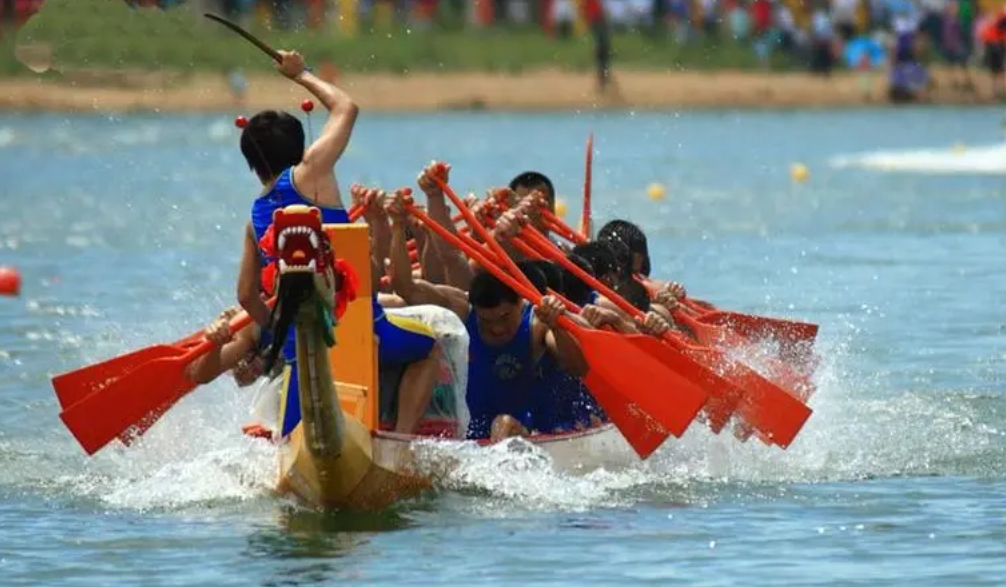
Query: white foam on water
{"points": [[197, 454], [986, 159], [7, 137]]}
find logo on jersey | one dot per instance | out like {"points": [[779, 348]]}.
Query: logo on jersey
{"points": [[506, 367]]}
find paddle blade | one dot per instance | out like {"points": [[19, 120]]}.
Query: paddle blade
{"points": [[795, 338], [73, 386], [128, 401], [663, 391], [768, 408], [642, 432]]}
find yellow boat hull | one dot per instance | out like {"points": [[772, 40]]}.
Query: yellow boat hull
{"points": [[376, 468]]}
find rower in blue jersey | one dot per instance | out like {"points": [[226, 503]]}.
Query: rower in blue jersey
{"points": [[273, 144], [561, 401], [507, 337]]}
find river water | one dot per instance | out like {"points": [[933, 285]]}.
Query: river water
{"points": [[128, 230]]}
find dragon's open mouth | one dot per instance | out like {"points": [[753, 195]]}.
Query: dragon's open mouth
{"points": [[299, 240], [299, 247]]}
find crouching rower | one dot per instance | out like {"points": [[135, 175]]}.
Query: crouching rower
{"points": [[561, 401], [507, 337]]}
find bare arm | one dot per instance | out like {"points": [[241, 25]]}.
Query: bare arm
{"points": [[561, 345], [223, 358], [321, 157], [249, 276], [416, 292], [457, 271], [557, 341]]}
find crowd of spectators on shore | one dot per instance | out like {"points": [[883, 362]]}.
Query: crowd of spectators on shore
{"points": [[905, 36]]}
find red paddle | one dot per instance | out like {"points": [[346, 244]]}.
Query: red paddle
{"points": [[765, 405], [585, 226], [643, 433], [619, 372], [75, 385], [138, 397], [724, 396], [719, 336], [795, 338]]}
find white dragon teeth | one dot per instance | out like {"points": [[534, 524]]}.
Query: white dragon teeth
{"points": [[315, 242]]}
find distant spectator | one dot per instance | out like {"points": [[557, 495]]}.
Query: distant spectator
{"points": [[787, 29], [681, 18], [932, 22], [993, 34], [761, 16], [822, 57], [563, 17], [956, 46], [601, 30], [843, 15], [710, 18], [908, 78], [739, 21]]}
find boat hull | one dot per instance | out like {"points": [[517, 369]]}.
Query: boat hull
{"points": [[376, 468]]}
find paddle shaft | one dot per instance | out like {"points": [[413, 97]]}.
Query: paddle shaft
{"points": [[585, 225]]}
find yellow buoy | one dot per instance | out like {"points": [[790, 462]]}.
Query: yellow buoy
{"points": [[958, 147], [656, 191], [799, 172], [560, 208]]}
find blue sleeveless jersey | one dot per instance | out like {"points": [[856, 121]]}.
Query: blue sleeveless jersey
{"points": [[500, 379], [284, 193], [560, 401]]}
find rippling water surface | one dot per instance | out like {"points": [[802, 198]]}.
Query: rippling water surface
{"points": [[128, 229]]}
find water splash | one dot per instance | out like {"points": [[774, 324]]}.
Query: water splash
{"points": [[986, 159]]}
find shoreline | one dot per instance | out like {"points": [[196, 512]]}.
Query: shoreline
{"points": [[543, 90]]}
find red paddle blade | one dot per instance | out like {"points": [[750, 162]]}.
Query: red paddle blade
{"points": [[722, 397], [664, 391], [128, 401], [798, 383], [73, 386], [642, 432], [778, 415], [795, 338]]}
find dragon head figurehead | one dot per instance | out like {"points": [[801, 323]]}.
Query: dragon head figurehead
{"points": [[303, 251], [311, 286]]}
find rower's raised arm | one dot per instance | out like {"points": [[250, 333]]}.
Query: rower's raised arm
{"points": [[322, 155], [413, 291], [457, 272]]}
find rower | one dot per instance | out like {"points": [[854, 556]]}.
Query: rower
{"points": [[273, 144], [507, 336]]}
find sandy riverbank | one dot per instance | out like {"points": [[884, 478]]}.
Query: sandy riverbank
{"points": [[542, 90]]}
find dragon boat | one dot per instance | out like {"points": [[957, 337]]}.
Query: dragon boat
{"points": [[343, 453]]}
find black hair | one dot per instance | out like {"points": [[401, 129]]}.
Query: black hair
{"points": [[623, 256], [272, 142], [631, 235], [549, 271], [635, 293], [599, 256], [573, 288], [534, 180], [486, 291], [535, 274]]}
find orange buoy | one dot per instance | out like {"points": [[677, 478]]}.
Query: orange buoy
{"points": [[10, 281]]}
